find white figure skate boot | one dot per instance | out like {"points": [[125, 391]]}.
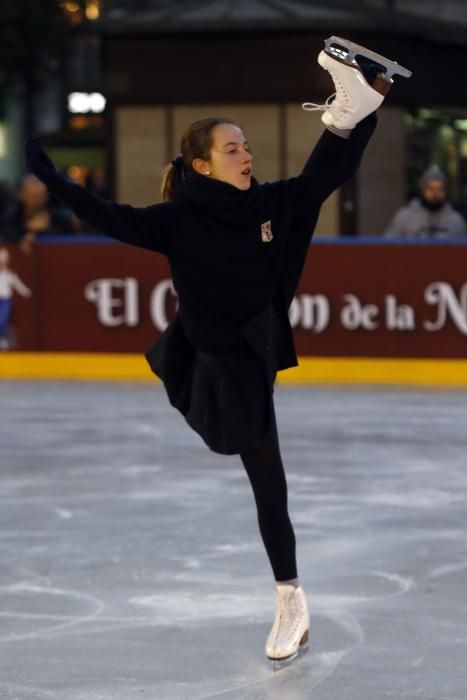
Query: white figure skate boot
{"points": [[354, 98], [289, 633]]}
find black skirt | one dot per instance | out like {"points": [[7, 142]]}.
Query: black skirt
{"points": [[226, 395]]}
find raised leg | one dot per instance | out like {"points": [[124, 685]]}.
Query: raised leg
{"points": [[360, 85]]}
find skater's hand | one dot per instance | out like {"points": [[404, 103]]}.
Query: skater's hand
{"points": [[38, 162]]}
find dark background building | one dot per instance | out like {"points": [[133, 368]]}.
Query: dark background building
{"points": [[161, 64]]}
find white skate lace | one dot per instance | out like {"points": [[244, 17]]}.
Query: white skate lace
{"points": [[312, 106], [338, 103]]}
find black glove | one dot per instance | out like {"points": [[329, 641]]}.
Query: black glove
{"points": [[369, 68], [38, 162]]}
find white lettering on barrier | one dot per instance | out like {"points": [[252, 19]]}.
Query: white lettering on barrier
{"points": [[313, 311], [399, 317], [356, 315], [102, 292], [442, 295], [116, 301], [158, 304]]}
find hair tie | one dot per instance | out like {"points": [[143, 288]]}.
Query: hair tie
{"points": [[178, 162]]}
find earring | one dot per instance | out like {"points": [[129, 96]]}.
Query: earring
{"points": [[208, 172]]}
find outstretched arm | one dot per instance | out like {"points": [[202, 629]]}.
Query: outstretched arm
{"points": [[334, 160], [145, 227], [19, 286]]}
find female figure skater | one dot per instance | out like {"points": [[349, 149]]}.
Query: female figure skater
{"points": [[236, 249]]}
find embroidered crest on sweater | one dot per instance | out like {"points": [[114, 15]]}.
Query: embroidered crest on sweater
{"points": [[266, 232]]}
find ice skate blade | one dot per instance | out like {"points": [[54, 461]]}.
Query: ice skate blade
{"points": [[277, 664], [287, 660], [345, 50]]}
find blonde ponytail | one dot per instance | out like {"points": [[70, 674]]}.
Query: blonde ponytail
{"points": [[174, 174]]}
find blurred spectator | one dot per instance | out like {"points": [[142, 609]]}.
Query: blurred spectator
{"points": [[9, 282], [430, 214], [462, 201], [32, 214], [8, 205], [96, 182]]}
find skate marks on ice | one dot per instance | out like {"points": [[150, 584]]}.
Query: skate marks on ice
{"points": [[90, 519], [210, 609], [22, 605], [332, 620], [241, 666], [184, 607]]}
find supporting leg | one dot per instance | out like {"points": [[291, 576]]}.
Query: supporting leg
{"points": [[288, 637], [265, 470]]}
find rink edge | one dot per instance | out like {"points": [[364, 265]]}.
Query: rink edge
{"points": [[311, 370]]}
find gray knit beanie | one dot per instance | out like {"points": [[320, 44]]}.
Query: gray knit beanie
{"points": [[432, 173]]}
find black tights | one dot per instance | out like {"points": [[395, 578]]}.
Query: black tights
{"points": [[264, 467]]}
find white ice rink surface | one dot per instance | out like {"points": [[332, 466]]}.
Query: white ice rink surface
{"points": [[131, 565]]}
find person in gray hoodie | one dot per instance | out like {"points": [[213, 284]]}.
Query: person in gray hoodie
{"points": [[430, 215]]}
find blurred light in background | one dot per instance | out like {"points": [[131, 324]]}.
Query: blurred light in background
{"points": [[76, 12], [82, 102], [86, 121], [92, 10], [438, 137], [71, 7], [78, 173], [2, 140]]}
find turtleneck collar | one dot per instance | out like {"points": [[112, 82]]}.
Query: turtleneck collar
{"points": [[220, 200]]}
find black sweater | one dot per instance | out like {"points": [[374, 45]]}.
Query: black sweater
{"points": [[224, 268]]}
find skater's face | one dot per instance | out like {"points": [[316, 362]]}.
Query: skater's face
{"points": [[230, 157], [434, 191]]}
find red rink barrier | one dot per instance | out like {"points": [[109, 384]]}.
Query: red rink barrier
{"points": [[362, 298]]}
